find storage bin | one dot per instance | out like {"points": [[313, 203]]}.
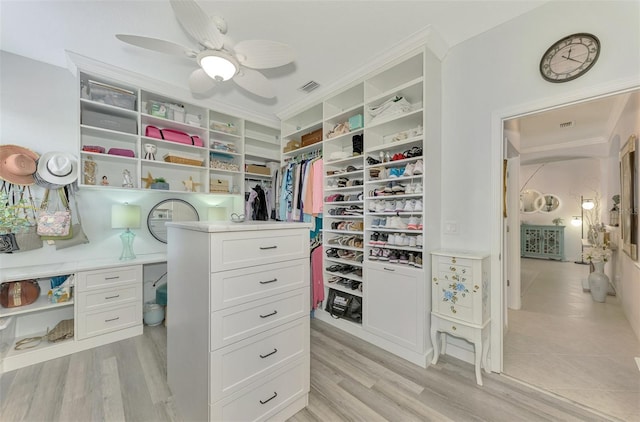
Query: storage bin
{"points": [[252, 168], [356, 122], [153, 314], [112, 95], [158, 109], [109, 121], [219, 186], [312, 138]]}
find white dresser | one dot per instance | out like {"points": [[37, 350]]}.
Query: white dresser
{"points": [[461, 302], [238, 325]]}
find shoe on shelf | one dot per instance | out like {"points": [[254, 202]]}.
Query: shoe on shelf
{"points": [[409, 205], [373, 254], [383, 239], [396, 223], [418, 189], [403, 258], [413, 223], [412, 259], [382, 223], [409, 188], [397, 188], [381, 206], [417, 205], [393, 257], [399, 206], [374, 223], [418, 261], [417, 169], [408, 170], [389, 206], [413, 242], [402, 240], [389, 187], [391, 239], [373, 239], [419, 241], [384, 255], [420, 227]]}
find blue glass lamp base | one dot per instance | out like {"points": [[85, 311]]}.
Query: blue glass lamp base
{"points": [[127, 245]]}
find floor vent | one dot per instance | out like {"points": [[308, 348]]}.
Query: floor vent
{"points": [[309, 86]]}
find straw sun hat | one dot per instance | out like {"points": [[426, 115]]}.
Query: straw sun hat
{"points": [[17, 164]]}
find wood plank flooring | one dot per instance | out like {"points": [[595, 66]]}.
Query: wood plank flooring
{"points": [[351, 380]]}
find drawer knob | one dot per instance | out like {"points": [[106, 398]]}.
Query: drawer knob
{"points": [[269, 281], [453, 260], [270, 398], [112, 319], [268, 315], [269, 354], [453, 327], [112, 297], [263, 248]]}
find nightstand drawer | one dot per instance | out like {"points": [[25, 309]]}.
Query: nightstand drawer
{"points": [[109, 277], [242, 321], [245, 249], [454, 328], [238, 365], [235, 287], [96, 323], [109, 297]]}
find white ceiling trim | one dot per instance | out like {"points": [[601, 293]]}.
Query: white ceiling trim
{"points": [[566, 145]]}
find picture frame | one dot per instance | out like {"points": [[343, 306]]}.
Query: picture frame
{"points": [[629, 198]]}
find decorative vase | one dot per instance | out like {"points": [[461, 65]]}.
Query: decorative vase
{"points": [[598, 282]]}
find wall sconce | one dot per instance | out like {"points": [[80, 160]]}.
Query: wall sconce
{"points": [[576, 221], [126, 216]]}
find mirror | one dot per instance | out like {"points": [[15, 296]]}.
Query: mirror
{"points": [[166, 211], [528, 200], [547, 203], [628, 201]]}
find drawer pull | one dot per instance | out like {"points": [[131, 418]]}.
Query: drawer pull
{"points": [[269, 354], [112, 319], [269, 281], [270, 398], [389, 269], [263, 248], [112, 297], [268, 315], [453, 327], [112, 278]]}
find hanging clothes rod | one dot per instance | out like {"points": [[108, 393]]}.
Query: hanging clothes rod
{"points": [[304, 156]]}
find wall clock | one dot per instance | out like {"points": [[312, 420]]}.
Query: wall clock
{"points": [[570, 57]]}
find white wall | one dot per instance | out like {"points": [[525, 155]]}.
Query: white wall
{"points": [[567, 180], [39, 110], [496, 73]]}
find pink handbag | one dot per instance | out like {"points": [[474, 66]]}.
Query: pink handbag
{"points": [[173, 136], [122, 152]]}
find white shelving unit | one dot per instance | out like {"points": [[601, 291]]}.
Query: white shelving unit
{"points": [[214, 166]]}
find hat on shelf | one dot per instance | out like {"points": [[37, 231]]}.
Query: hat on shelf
{"points": [[17, 164], [56, 169]]}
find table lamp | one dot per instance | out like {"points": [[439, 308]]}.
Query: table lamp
{"points": [[126, 216]]}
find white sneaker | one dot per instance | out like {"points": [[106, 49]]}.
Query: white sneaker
{"points": [[402, 240], [417, 205], [390, 206], [419, 241], [420, 226], [396, 223], [381, 205], [413, 223], [399, 206], [408, 189], [417, 168], [391, 240], [410, 206], [408, 170], [418, 188], [412, 241]]}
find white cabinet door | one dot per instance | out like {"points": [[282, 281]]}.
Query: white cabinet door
{"points": [[394, 304]]}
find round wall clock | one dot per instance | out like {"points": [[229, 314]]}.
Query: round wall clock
{"points": [[570, 57]]}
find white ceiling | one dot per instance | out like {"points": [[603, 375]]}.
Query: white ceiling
{"points": [[331, 38]]}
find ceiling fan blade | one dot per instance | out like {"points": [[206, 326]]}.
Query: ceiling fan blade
{"points": [[263, 54], [200, 82], [155, 44], [197, 23], [254, 82]]}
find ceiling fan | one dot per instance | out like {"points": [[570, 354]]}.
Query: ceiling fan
{"points": [[218, 60]]}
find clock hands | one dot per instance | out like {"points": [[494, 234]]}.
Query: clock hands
{"points": [[573, 60]]}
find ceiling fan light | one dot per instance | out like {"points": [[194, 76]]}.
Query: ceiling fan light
{"points": [[218, 66]]}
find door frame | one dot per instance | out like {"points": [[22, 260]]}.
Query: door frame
{"points": [[499, 249]]}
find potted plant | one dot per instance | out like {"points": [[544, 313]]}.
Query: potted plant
{"points": [[159, 183], [557, 221]]}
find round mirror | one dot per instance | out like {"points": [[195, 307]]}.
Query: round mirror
{"points": [[528, 200], [166, 211], [547, 203]]}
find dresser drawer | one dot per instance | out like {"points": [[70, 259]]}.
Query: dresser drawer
{"points": [[244, 249], [241, 363], [235, 287], [109, 277], [96, 299], [454, 328], [242, 321], [95, 323], [454, 261], [265, 398]]}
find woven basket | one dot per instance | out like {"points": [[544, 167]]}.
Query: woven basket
{"points": [[181, 160]]}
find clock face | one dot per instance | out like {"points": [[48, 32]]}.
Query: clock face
{"points": [[570, 57]]}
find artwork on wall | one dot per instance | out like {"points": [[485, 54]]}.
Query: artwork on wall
{"points": [[629, 200]]}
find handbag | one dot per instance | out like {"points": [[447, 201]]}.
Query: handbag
{"points": [[344, 305], [79, 236], [19, 293], [18, 225], [62, 331], [27, 237], [8, 243], [53, 225]]}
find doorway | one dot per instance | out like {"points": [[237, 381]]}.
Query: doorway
{"points": [[539, 329]]}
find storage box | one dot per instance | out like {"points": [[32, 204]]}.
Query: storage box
{"points": [[112, 95], [356, 122], [291, 146], [218, 186], [252, 168], [158, 109], [312, 138], [109, 121], [224, 127]]}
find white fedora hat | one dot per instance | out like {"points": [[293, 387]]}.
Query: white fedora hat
{"points": [[59, 168]]}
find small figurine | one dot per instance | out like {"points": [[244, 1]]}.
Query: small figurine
{"points": [[126, 179], [150, 152], [105, 181]]}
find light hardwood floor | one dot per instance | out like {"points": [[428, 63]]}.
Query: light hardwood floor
{"points": [[351, 380]]}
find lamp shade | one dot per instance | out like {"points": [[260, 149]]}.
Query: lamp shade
{"points": [[588, 204], [125, 216], [218, 65], [576, 221]]}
